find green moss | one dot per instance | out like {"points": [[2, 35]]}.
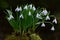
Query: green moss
{"points": [[24, 37], [35, 37]]}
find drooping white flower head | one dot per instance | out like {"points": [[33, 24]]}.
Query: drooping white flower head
{"points": [[29, 13], [21, 16], [52, 28], [26, 7], [43, 25], [34, 8], [37, 15], [30, 6], [44, 12], [18, 9], [47, 18], [54, 21], [10, 17]]}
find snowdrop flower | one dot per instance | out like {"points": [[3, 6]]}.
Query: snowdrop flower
{"points": [[21, 16], [43, 25], [30, 6], [34, 8], [54, 21], [47, 18], [26, 7], [10, 17], [38, 15], [44, 12], [18, 9], [52, 28], [29, 13]]}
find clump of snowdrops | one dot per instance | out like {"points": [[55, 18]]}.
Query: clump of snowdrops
{"points": [[28, 16]]}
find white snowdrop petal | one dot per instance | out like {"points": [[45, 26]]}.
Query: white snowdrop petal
{"points": [[10, 17], [52, 28], [29, 13], [21, 16], [37, 15], [30, 6], [34, 8], [47, 18], [43, 25], [17, 9], [44, 12], [20, 8], [26, 7], [54, 21]]}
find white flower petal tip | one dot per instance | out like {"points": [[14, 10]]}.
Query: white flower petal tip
{"points": [[21, 16], [47, 18], [10, 17], [26, 7], [34, 8], [30, 6], [17, 9], [44, 12], [54, 21], [29, 13], [52, 28], [43, 25]]}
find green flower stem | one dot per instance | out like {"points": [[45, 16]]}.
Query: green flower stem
{"points": [[20, 27], [49, 22], [37, 26], [23, 32], [33, 24], [17, 20], [52, 16]]}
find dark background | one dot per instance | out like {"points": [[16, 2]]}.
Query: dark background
{"points": [[45, 33]]}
